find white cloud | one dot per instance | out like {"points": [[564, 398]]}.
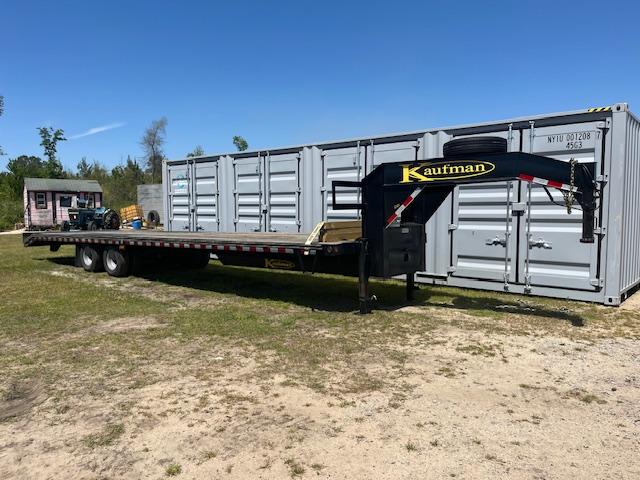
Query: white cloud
{"points": [[94, 130]]}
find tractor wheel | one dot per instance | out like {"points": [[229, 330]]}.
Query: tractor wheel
{"points": [[116, 263], [91, 258], [111, 220], [474, 145], [66, 226], [92, 226]]}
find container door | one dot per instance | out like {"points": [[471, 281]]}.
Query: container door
{"points": [[556, 256], [247, 192], [283, 189], [341, 164], [484, 222], [179, 196], [204, 205]]}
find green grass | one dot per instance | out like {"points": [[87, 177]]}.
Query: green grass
{"points": [[108, 436], [173, 469], [54, 321]]}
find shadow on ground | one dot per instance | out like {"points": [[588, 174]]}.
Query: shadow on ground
{"points": [[336, 293]]}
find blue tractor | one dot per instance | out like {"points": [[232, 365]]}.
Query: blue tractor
{"points": [[83, 218]]}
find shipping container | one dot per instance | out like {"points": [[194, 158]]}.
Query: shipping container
{"points": [[505, 236]]}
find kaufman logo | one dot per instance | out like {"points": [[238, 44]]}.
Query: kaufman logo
{"points": [[279, 264], [439, 171]]}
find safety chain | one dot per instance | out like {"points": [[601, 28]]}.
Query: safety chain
{"points": [[570, 196]]}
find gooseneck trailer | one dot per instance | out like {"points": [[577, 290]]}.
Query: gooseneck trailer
{"points": [[395, 200]]}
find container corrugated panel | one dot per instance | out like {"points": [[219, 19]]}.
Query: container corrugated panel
{"points": [[178, 196], [205, 195], [283, 192], [630, 271]]}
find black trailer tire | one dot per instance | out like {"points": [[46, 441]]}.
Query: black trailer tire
{"points": [[474, 145], [153, 218], [91, 258], [92, 226], [66, 226], [116, 263]]}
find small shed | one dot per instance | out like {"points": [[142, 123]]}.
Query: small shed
{"points": [[47, 200]]}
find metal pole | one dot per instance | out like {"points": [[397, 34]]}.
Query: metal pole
{"points": [[507, 234], [363, 277], [527, 275]]}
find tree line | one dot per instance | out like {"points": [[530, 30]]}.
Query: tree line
{"points": [[119, 184]]}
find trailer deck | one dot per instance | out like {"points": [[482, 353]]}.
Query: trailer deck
{"points": [[250, 242]]}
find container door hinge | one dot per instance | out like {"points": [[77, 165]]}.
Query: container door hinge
{"points": [[323, 189], [603, 125], [451, 269], [600, 230], [452, 226], [596, 282], [602, 179]]}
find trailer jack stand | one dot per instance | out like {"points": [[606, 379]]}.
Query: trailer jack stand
{"points": [[363, 278], [411, 287]]}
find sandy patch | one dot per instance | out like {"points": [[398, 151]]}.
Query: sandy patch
{"points": [[457, 404]]}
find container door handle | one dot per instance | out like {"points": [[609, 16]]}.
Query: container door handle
{"points": [[496, 241], [540, 243]]}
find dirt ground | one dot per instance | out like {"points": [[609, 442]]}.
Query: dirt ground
{"points": [[472, 396]]}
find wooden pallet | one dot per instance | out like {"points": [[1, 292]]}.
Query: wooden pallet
{"points": [[130, 213]]}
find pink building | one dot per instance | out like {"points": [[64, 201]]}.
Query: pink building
{"points": [[47, 200]]}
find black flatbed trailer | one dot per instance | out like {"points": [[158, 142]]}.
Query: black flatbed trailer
{"points": [[397, 201]]}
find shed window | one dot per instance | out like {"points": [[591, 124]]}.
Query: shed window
{"points": [[41, 200], [65, 200]]}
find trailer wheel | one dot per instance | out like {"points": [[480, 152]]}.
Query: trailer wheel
{"points": [[92, 226], [116, 263], [474, 145], [91, 258]]}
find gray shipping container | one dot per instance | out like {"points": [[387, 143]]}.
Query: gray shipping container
{"points": [[506, 236], [150, 197]]}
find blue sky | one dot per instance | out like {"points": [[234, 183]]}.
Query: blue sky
{"points": [[282, 73]]}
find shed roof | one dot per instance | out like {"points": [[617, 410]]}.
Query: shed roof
{"points": [[62, 185]]}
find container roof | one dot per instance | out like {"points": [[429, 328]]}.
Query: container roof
{"points": [[62, 185]]}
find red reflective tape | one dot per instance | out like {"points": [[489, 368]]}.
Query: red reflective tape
{"points": [[226, 248], [252, 249], [192, 245], [267, 250], [407, 201], [238, 248], [392, 218], [282, 250], [553, 183], [523, 176]]}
